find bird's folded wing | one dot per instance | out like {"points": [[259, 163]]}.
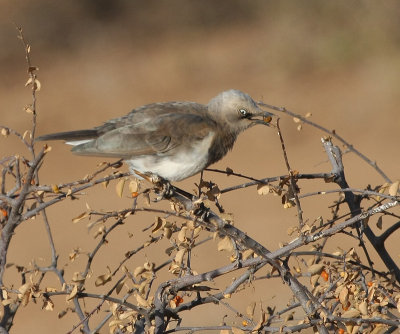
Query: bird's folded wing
{"points": [[154, 136]]}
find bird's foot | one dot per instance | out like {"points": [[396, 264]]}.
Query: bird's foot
{"points": [[163, 187]]}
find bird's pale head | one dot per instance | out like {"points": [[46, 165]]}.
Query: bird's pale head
{"points": [[237, 110]]}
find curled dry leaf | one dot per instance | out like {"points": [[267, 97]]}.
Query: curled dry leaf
{"points": [[247, 254], [225, 244], [138, 271], [352, 313], [167, 233], [344, 297], [78, 278], [48, 304], [142, 302], [73, 293], [134, 185], [393, 189], [179, 256], [158, 224], [80, 217], [363, 307], [214, 193], [263, 189], [103, 279], [182, 234], [316, 268], [119, 188]]}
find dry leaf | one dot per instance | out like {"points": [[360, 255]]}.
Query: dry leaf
{"points": [[316, 268], [48, 305], [73, 293], [182, 234], [308, 115], [352, 313], [119, 188], [363, 307], [263, 189], [296, 120], [102, 279], [134, 185], [179, 256], [138, 271], [55, 188], [141, 301], [119, 286], [158, 224], [344, 297], [394, 187], [225, 244], [80, 217]]}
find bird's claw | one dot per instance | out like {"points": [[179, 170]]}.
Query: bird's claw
{"points": [[163, 189]]}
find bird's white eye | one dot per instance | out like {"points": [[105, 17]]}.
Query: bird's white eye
{"points": [[243, 112]]}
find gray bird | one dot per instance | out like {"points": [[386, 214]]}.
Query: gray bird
{"points": [[173, 140]]}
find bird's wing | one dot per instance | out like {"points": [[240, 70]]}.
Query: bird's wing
{"points": [[145, 136]]}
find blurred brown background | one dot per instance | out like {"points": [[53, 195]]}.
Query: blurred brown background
{"points": [[339, 60]]}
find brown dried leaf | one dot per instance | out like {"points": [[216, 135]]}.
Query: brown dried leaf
{"points": [[134, 185], [78, 278], [73, 293], [119, 286], [316, 269], [394, 187], [182, 234], [142, 302], [344, 296], [48, 305], [363, 307], [55, 188], [179, 256], [263, 189], [296, 120], [247, 253], [5, 132], [138, 271], [308, 115], [119, 188], [225, 244], [167, 233], [158, 224], [352, 313], [80, 217], [37, 86], [214, 193], [103, 279]]}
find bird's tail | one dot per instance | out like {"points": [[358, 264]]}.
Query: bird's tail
{"points": [[71, 136]]}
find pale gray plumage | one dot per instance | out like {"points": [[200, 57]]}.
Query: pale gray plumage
{"points": [[173, 140]]}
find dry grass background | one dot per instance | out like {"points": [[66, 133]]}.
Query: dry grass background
{"points": [[99, 59]]}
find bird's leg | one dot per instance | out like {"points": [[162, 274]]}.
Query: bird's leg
{"points": [[163, 187]]}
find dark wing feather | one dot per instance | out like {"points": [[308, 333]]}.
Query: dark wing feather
{"points": [[151, 135], [70, 135]]}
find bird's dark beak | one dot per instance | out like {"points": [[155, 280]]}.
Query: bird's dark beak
{"points": [[263, 118]]}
